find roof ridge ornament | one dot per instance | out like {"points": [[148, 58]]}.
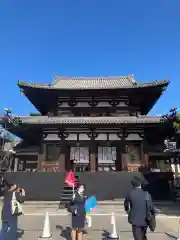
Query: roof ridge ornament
{"points": [[61, 78], [20, 82], [131, 78], [54, 81]]}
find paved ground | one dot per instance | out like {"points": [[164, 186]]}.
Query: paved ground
{"points": [[33, 220], [101, 225], [168, 210]]}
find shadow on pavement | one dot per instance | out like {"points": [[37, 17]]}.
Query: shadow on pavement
{"points": [[169, 210], [19, 233], [66, 232], [104, 234], [171, 236]]}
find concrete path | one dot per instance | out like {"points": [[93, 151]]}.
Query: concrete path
{"points": [[53, 209], [107, 202], [101, 226], [32, 222]]}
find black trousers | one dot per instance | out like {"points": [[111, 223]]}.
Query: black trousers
{"points": [[139, 233]]}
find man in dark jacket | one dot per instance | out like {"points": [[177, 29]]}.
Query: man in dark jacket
{"points": [[135, 205]]}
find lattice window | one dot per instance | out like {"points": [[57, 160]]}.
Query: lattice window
{"points": [[106, 153], [79, 154]]}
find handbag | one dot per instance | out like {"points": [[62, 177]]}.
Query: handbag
{"points": [[150, 217], [71, 206], [129, 217], [16, 207]]}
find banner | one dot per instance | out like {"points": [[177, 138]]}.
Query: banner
{"points": [[70, 179]]}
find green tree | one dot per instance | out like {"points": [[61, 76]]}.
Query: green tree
{"points": [[4, 134], [176, 122]]}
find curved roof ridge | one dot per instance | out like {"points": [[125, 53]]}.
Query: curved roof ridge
{"points": [[93, 78], [154, 82], [65, 83], [30, 83]]}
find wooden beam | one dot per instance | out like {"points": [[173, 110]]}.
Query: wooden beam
{"points": [[93, 162], [63, 156]]}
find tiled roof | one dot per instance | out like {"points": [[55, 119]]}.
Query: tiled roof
{"points": [[65, 83], [89, 120]]}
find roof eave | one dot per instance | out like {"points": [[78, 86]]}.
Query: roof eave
{"points": [[157, 83], [89, 120], [161, 90]]}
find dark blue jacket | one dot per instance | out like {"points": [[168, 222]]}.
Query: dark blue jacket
{"points": [[136, 208]]}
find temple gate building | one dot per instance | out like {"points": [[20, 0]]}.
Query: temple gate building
{"points": [[91, 124]]}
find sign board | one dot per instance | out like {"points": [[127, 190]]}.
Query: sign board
{"points": [[50, 167], [133, 167]]}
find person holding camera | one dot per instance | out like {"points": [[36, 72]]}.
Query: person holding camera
{"points": [[13, 197]]}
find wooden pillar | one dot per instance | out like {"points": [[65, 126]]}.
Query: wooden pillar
{"points": [[145, 153], [93, 162], [142, 160], [41, 155], [118, 156], [62, 156], [124, 154], [146, 159], [16, 163]]}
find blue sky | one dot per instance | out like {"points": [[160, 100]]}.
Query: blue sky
{"points": [[44, 38]]}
